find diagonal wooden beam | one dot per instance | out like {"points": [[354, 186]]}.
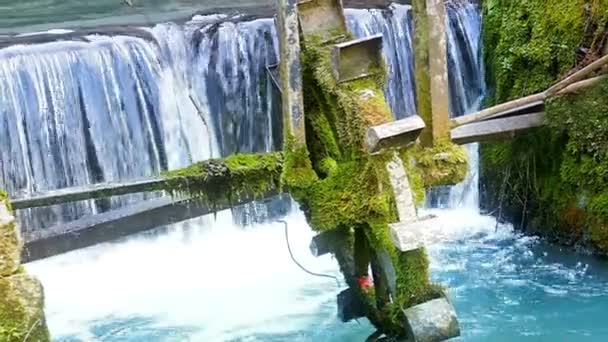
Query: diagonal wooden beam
{"points": [[502, 128]]}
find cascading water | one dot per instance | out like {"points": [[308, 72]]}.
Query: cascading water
{"points": [[218, 281]]}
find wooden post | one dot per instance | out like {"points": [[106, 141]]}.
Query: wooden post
{"points": [[432, 84], [291, 75]]}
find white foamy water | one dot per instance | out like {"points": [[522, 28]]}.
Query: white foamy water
{"points": [[208, 278]]}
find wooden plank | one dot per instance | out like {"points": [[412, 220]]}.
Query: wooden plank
{"points": [[524, 103], [409, 236], [503, 128], [291, 73], [321, 18], [116, 224], [431, 61], [358, 58], [398, 133], [94, 191]]}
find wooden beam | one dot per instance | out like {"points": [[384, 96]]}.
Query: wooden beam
{"points": [[116, 224], [398, 133], [432, 87], [357, 58], [291, 73], [577, 76], [95, 191], [523, 103], [502, 128], [409, 236]]}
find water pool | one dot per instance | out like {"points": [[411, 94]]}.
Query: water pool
{"points": [[210, 280]]}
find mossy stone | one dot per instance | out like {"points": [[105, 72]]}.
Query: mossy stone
{"points": [[10, 242], [22, 310]]}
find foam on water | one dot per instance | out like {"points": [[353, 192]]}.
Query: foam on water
{"points": [[213, 280]]}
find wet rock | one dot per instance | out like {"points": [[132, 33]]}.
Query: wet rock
{"points": [[22, 310]]}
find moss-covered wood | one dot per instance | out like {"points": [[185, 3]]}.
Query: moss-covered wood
{"points": [[552, 181], [223, 181], [342, 187]]}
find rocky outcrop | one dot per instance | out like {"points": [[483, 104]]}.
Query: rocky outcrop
{"points": [[21, 295]]}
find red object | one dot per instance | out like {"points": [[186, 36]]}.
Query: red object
{"points": [[366, 283]]}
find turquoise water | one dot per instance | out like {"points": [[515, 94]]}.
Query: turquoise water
{"points": [[213, 281]]}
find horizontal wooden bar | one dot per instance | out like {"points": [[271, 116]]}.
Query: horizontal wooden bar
{"points": [[94, 191], [496, 129], [119, 223], [398, 133]]}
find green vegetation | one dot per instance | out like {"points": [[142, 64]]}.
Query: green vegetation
{"points": [[341, 187], [4, 198], [21, 310], [531, 43], [218, 181], [552, 181]]}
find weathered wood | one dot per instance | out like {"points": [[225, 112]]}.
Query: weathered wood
{"points": [[523, 103], [275, 75], [497, 110], [322, 243], [116, 224], [291, 74], [95, 191], [404, 199], [357, 58], [398, 133], [431, 69], [577, 76], [321, 18], [433, 321], [409, 236], [502, 128]]}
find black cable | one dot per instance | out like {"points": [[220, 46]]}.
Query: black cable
{"points": [[300, 265]]}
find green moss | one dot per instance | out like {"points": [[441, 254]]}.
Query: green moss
{"points": [[444, 164], [350, 197], [551, 180], [530, 42], [350, 188], [21, 313], [224, 181], [4, 198]]}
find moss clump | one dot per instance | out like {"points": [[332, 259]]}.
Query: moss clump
{"points": [[21, 310], [444, 164], [223, 181], [341, 187], [350, 197], [529, 43], [4, 198]]}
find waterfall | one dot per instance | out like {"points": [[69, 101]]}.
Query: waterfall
{"points": [[144, 286], [99, 108]]}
